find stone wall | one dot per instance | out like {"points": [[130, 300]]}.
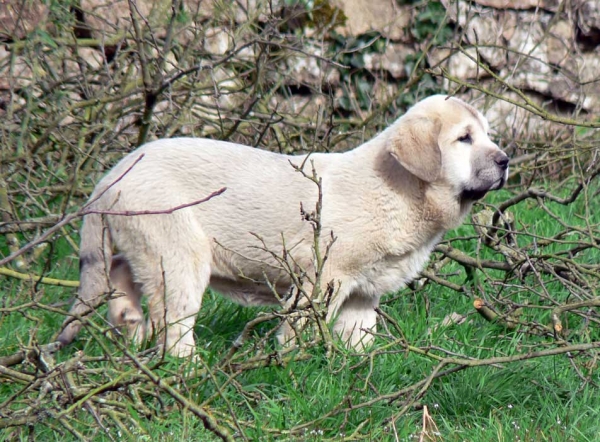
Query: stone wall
{"points": [[531, 52]]}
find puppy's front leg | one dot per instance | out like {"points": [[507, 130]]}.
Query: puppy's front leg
{"points": [[355, 319], [296, 320], [324, 306]]}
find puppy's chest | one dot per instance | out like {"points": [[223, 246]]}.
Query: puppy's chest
{"points": [[393, 272]]}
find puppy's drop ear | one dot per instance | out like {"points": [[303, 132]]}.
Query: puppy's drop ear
{"points": [[414, 144]]}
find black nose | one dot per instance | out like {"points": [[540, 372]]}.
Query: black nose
{"points": [[501, 159]]}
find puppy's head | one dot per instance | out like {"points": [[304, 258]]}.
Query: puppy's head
{"points": [[444, 140]]}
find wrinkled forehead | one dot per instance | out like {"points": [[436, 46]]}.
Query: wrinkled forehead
{"points": [[462, 109]]}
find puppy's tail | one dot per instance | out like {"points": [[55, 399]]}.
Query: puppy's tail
{"points": [[94, 263]]}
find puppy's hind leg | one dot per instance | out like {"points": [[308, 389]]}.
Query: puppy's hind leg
{"points": [[124, 307], [174, 269], [175, 302]]}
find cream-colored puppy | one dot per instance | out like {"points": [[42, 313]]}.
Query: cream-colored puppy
{"points": [[388, 202]]}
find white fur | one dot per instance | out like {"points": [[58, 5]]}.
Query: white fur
{"points": [[385, 218]]}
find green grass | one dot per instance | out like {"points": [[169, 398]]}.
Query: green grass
{"points": [[320, 396]]}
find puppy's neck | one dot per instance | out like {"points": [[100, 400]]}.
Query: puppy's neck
{"points": [[442, 208]]}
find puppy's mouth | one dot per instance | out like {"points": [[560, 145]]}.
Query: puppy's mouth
{"points": [[473, 194], [477, 194]]}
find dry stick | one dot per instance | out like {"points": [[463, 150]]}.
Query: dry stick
{"points": [[490, 315], [273, 359], [557, 325], [66, 220], [72, 430], [207, 419], [38, 279], [96, 43], [85, 211], [7, 217], [504, 359], [117, 381], [157, 212], [429, 274], [15, 375], [30, 224], [426, 383], [415, 76], [428, 422], [461, 365], [19, 421], [308, 54], [529, 104], [17, 358], [114, 415], [149, 96], [390, 397], [243, 336], [320, 258], [540, 193], [219, 393], [463, 258], [129, 89]]}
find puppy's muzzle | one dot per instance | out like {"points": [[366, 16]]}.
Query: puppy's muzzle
{"points": [[501, 159]]}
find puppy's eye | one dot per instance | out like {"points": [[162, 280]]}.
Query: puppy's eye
{"points": [[466, 139]]}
